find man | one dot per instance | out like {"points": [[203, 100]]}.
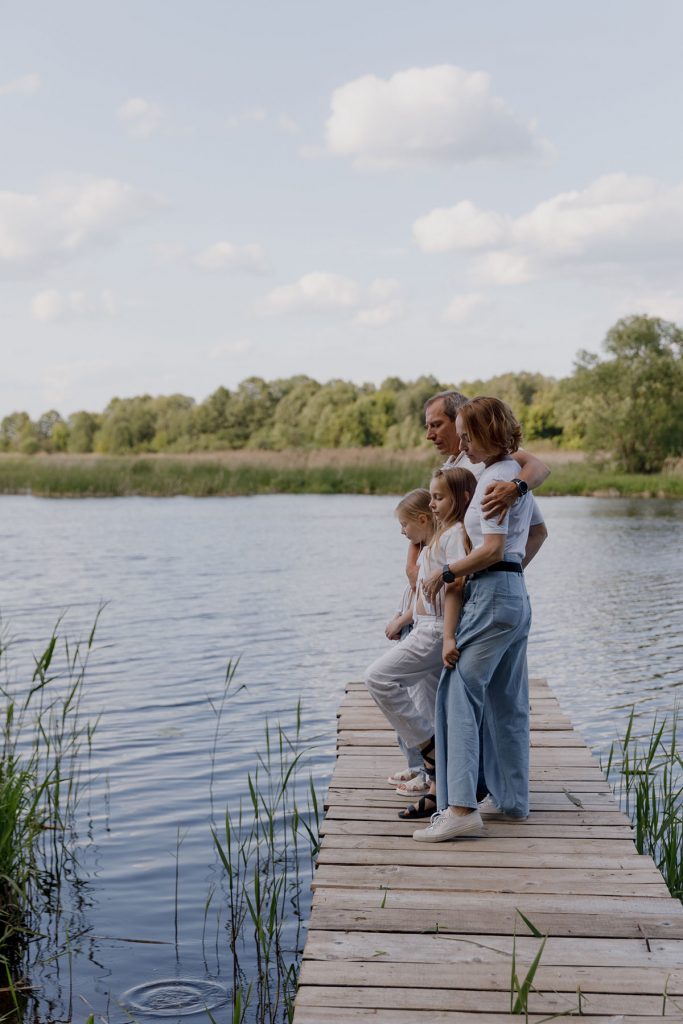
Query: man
{"points": [[440, 413]]}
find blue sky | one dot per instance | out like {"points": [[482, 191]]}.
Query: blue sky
{"points": [[192, 195]]}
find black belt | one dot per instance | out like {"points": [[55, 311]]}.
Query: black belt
{"points": [[498, 567]]}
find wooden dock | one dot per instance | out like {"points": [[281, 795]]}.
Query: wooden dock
{"points": [[402, 932]]}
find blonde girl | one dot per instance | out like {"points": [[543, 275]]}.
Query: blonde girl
{"points": [[404, 680], [418, 524]]}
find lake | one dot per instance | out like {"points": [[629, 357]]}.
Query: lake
{"points": [[299, 588]]}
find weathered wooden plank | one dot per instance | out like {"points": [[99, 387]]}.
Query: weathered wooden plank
{"points": [[543, 741], [622, 848], [494, 920], [416, 856], [371, 947], [528, 829], [533, 903], [570, 816], [491, 977], [379, 768], [618, 883], [329, 1013], [387, 985], [385, 796]]}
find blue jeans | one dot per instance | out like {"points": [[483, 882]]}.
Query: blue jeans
{"points": [[488, 690]]}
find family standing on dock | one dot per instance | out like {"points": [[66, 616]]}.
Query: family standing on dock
{"points": [[455, 687]]}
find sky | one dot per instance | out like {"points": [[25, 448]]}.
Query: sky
{"points": [[194, 194]]}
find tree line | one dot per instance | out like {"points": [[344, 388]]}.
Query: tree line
{"points": [[628, 404]]}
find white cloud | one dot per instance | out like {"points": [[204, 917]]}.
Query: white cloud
{"points": [[616, 220], [384, 304], [53, 305], [314, 292], [38, 229], [378, 316], [440, 114], [222, 256], [231, 348], [462, 226], [503, 267], [26, 84], [462, 306], [141, 118]]}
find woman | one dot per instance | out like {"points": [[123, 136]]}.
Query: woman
{"points": [[485, 695]]}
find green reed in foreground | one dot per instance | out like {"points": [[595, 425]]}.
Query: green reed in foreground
{"points": [[43, 735], [266, 868], [647, 775]]}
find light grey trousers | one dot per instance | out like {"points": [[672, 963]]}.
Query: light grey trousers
{"points": [[403, 681]]}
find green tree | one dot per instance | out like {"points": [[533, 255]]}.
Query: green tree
{"points": [[14, 429], [174, 422], [51, 436], [631, 404], [83, 427], [289, 429], [128, 424]]}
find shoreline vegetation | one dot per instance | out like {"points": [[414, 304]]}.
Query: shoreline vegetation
{"points": [[298, 471], [628, 405]]}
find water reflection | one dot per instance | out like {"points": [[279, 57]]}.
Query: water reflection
{"points": [[300, 588]]}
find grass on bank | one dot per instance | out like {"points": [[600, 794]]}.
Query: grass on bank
{"points": [[337, 471]]}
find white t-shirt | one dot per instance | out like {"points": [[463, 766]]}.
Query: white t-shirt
{"points": [[477, 468], [516, 523], [450, 547]]}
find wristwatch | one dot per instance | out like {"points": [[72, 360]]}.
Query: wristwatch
{"points": [[521, 486], [447, 576]]}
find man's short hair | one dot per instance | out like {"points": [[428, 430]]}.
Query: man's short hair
{"points": [[452, 402]]}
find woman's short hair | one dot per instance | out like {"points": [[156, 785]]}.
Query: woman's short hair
{"points": [[491, 424]]}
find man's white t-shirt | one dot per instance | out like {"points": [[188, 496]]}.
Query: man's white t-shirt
{"points": [[477, 468], [450, 547], [517, 520]]}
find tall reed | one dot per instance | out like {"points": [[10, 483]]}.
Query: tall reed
{"points": [[646, 774], [267, 847], [42, 738]]}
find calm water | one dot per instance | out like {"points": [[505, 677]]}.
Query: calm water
{"points": [[299, 587]]}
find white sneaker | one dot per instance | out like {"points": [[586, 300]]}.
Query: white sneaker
{"points": [[488, 808], [445, 825]]}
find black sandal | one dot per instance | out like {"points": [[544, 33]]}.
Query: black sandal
{"points": [[429, 758], [420, 809]]}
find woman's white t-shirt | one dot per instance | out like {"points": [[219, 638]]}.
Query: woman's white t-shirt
{"points": [[477, 468], [450, 547], [517, 520]]}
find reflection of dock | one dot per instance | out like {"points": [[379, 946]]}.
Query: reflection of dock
{"points": [[402, 932]]}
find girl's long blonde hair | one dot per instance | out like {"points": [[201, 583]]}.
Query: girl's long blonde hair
{"points": [[461, 485], [415, 504]]}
